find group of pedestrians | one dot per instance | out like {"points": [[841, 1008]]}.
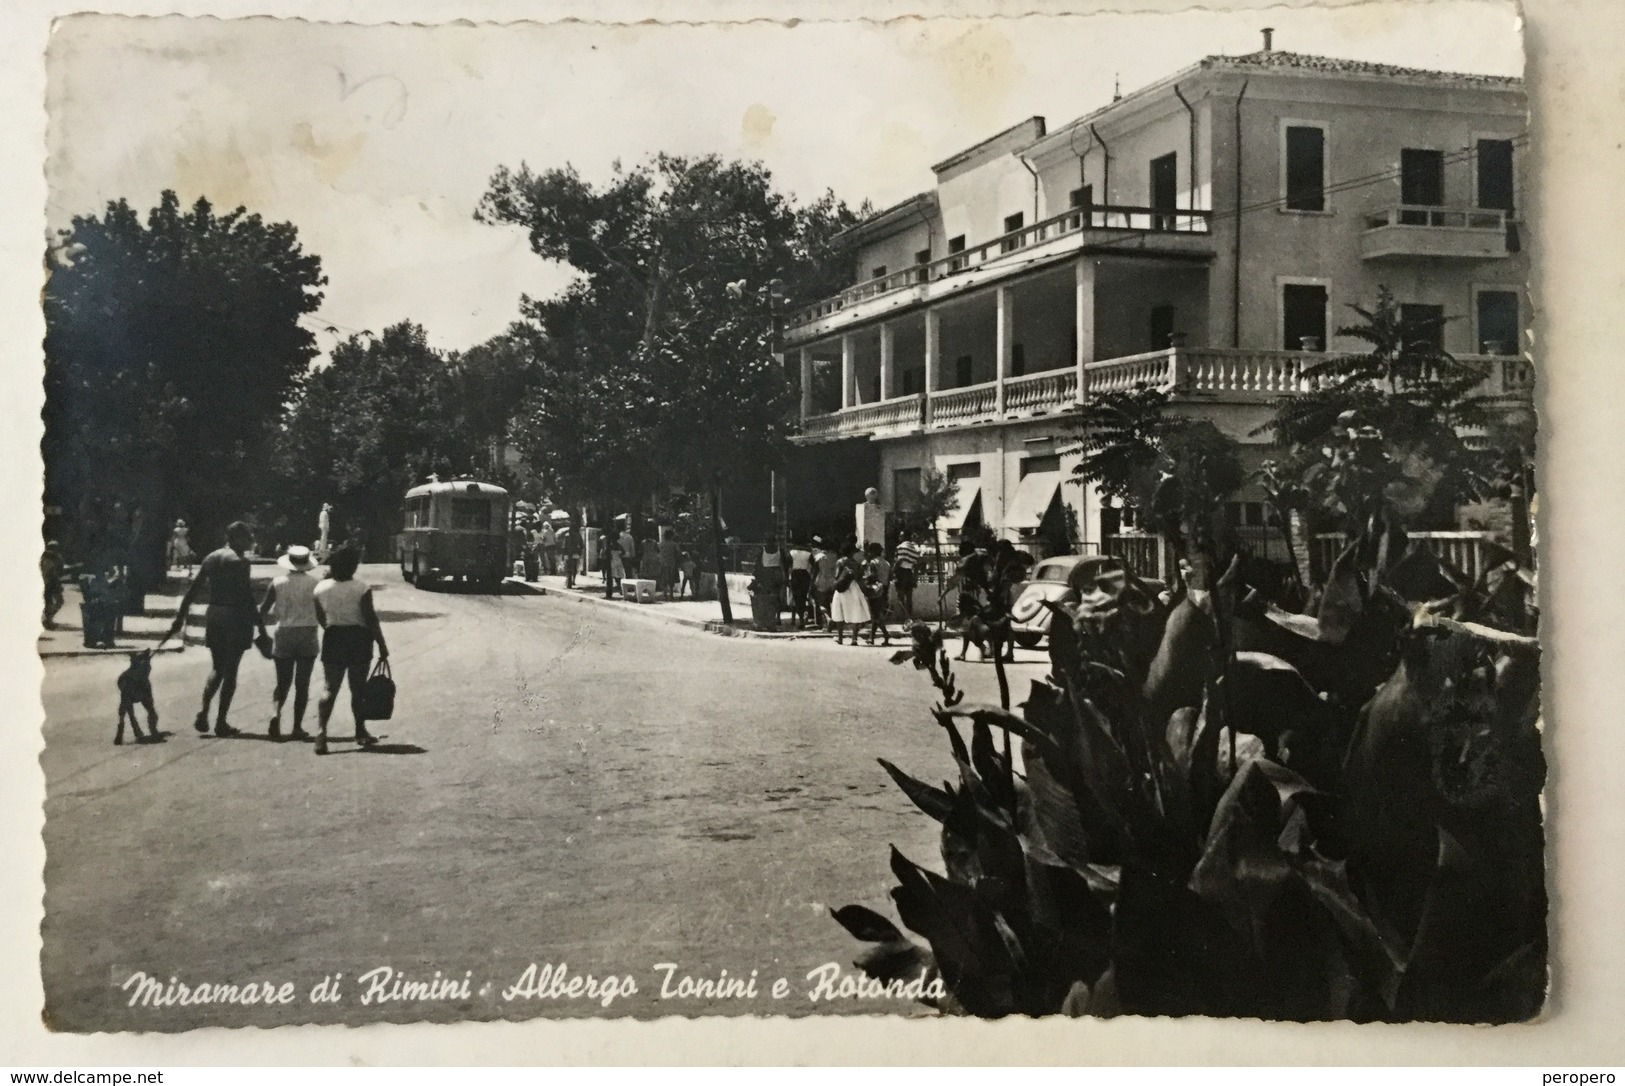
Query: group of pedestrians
{"points": [[847, 588], [548, 551], [332, 619], [661, 560]]}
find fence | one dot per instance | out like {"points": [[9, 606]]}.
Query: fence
{"points": [[1470, 552], [1146, 555]]}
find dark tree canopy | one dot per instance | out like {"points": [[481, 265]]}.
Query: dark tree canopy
{"points": [[171, 347], [380, 418], [658, 367]]}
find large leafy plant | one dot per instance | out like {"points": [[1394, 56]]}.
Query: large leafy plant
{"points": [[1183, 832]]}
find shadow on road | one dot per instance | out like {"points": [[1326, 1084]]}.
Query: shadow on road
{"points": [[385, 748], [408, 616], [458, 588]]}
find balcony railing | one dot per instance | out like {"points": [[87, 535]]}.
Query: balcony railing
{"points": [[1106, 217], [1415, 230], [1267, 374], [1040, 393], [903, 414], [1199, 373], [960, 405]]}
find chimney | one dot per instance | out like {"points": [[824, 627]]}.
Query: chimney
{"points": [[1269, 39]]}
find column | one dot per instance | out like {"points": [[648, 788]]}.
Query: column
{"points": [[888, 363], [1004, 323], [849, 372], [933, 357], [1083, 278], [806, 384]]}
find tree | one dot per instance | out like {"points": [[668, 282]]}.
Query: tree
{"points": [[1379, 441], [1178, 472], [663, 352], [939, 498], [378, 420], [171, 346], [489, 382]]}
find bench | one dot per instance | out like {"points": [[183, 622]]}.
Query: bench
{"points": [[638, 590]]}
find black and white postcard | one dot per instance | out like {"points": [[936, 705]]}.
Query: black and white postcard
{"points": [[948, 516]]}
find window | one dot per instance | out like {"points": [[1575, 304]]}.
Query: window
{"points": [[1498, 321], [1162, 327], [1422, 325], [1421, 182], [1018, 360], [962, 371], [875, 388], [1082, 199], [921, 259], [470, 514], [1164, 190], [1305, 168], [1303, 316], [879, 272], [910, 381], [970, 469], [956, 246], [1012, 223], [1495, 174], [1050, 462], [905, 489]]}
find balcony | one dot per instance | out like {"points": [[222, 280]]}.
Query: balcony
{"points": [[885, 418], [1196, 375], [1180, 231], [1452, 233]]}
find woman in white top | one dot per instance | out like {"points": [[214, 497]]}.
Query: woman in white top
{"points": [[344, 609], [291, 604]]}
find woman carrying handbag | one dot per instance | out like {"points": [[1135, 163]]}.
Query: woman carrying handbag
{"points": [[350, 626]]}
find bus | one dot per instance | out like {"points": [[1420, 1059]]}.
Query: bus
{"points": [[454, 529]]}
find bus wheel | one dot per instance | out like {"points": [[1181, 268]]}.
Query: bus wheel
{"points": [[421, 577], [410, 576]]}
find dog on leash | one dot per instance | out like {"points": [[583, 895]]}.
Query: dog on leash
{"points": [[135, 688]]}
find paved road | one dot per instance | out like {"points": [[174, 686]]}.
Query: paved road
{"points": [[560, 784]]}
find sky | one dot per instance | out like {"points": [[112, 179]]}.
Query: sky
{"points": [[378, 141]]}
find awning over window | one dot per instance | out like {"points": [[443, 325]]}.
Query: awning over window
{"points": [[1032, 500], [968, 489]]}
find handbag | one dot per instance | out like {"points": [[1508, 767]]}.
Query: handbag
{"points": [[378, 693], [264, 644], [843, 580]]}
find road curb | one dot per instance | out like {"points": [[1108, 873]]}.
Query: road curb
{"points": [[711, 626]]}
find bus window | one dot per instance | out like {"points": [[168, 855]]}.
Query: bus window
{"points": [[471, 513]]}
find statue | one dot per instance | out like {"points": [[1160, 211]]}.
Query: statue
{"points": [[324, 524], [871, 519]]}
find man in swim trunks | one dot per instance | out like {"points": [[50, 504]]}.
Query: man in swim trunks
{"points": [[230, 622]]}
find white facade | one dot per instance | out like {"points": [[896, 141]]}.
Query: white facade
{"points": [[1197, 234]]}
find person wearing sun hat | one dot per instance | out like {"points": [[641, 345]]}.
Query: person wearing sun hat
{"points": [[291, 604]]}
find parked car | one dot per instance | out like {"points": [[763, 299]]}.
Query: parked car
{"points": [[1029, 618]]}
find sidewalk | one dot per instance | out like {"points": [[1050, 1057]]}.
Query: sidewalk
{"points": [[142, 631], [698, 614]]}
